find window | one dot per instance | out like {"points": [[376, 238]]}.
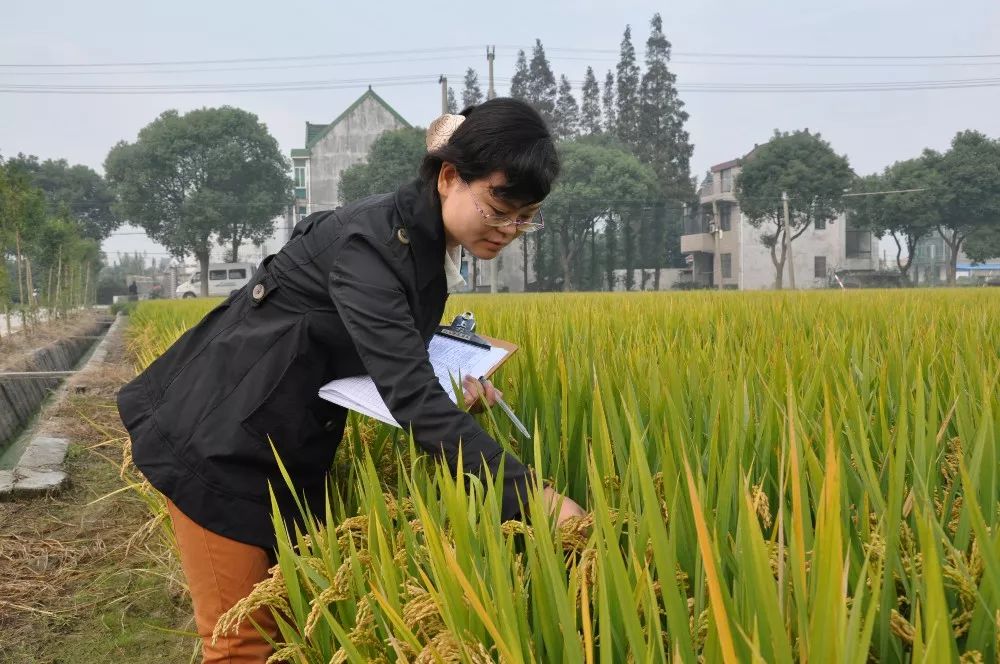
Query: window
{"points": [[300, 176], [819, 267], [302, 210], [216, 275], [727, 266], [238, 274], [820, 224], [726, 217], [727, 180], [859, 244], [196, 278]]}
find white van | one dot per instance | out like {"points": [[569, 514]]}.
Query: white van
{"points": [[223, 279]]}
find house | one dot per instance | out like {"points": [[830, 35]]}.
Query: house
{"points": [[332, 148], [930, 264], [724, 250], [329, 150]]}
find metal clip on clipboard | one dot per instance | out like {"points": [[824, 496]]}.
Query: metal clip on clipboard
{"points": [[461, 328]]}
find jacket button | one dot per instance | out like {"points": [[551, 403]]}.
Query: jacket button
{"points": [[258, 291], [402, 236]]}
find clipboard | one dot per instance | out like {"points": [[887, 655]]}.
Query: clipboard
{"points": [[508, 346], [449, 356]]}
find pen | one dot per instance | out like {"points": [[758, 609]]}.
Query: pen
{"points": [[510, 412]]}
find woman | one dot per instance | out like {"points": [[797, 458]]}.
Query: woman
{"points": [[358, 290]]}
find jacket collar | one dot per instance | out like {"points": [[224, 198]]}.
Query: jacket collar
{"points": [[420, 213]]}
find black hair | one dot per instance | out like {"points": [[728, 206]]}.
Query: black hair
{"points": [[505, 135]]}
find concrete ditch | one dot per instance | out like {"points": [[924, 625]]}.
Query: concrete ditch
{"points": [[33, 464]]}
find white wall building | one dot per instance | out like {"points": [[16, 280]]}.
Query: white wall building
{"points": [[724, 249]]}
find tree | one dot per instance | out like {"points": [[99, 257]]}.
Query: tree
{"points": [[905, 217], [608, 103], [814, 177], [627, 95], [983, 245], [22, 212], [77, 191], [452, 101], [590, 107], [594, 178], [519, 82], [969, 193], [472, 94], [393, 159], [567, 114], [214, 172], [70, 262], [663, 143], [541, 85]]}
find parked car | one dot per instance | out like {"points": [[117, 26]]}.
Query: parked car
{"points": [[223, 279]]}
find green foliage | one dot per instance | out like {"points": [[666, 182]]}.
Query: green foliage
{"points": [[77, 192], [805, 167], [608, 103], [662, 141], [830, 499], [590, 105], [471, 93], [214, 173], [983, 244], [906, 217], [566, 118], [540, 89], [519, 81], [627, 94], [393, 160], [970, 182], [595, 178]]}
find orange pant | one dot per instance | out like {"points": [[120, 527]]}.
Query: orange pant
{"points": [[221, 572]]}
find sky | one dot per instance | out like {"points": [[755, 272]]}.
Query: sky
{"points": [[729, 77]]}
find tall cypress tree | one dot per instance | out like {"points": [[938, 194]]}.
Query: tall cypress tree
{"points": [[663, 142], [519, 82], [541, 89], [627, 94], [590, 108], [567, 114], [452, 101], [608, 103], [472, 94]]}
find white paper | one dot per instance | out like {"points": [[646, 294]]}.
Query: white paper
{"points": [[449, 357]]}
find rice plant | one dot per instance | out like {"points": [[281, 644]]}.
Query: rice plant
{"points": [[770, 477]]}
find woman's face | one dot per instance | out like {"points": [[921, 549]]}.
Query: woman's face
{"points": [[464, 205]]}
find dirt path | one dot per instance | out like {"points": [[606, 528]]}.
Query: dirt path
{"points": [[81, 579]]}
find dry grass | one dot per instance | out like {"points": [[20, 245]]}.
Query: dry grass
{"points": [[15, 349], [83, 579]]}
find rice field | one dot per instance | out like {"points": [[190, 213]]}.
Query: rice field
{"points": [[769, 477]]}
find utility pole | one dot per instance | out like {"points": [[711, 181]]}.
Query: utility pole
{"points": [[788, 241], [490, 94], [716, 236], [491, 54], [443, 80]]}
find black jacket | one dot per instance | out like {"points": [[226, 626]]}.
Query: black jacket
{"points": [[357, 290]]}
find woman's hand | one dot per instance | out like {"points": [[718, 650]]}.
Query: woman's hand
{"points": [[567, 508], [477, 394]]}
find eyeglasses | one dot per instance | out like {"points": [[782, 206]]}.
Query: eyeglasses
{"points": [[523, 225]]}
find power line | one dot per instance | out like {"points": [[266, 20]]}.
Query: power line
{"points": [[285, 67], [477, 48], [288, 58], [332, 84], [790, 56]]}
